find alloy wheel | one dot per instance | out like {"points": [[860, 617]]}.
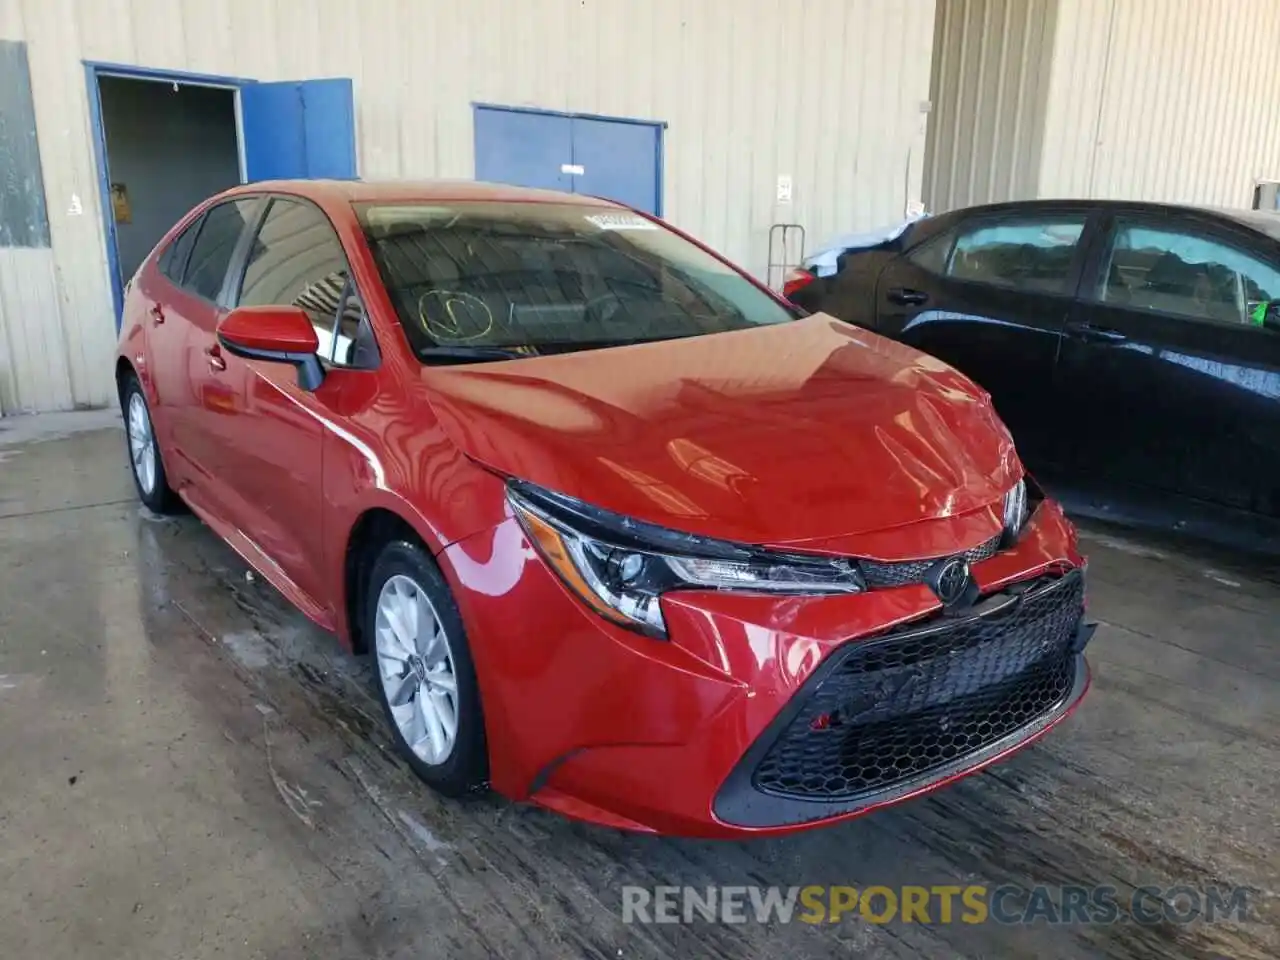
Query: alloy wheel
{"points": [[416, 669], [142, 448]]}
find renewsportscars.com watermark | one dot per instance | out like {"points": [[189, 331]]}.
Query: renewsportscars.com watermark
{"points": [[941, 903]]}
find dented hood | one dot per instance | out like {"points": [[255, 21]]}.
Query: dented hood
{"points": [[813, 431]]}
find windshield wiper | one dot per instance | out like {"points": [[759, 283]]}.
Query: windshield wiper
{"points": [[463, 354]]}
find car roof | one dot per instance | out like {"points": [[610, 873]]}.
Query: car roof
{"points": [[1263, 220], [1259, 221], [400, 191]]}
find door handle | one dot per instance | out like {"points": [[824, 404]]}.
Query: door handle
{"points": [[1096, 334], [216, 363], [908, 297], [157, 314]]}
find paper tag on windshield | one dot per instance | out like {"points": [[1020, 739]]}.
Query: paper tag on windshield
{"points": [[620, 221]]}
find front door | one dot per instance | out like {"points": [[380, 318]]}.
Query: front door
{"points": [[271, 454], [990, 298], [1174, 385]]}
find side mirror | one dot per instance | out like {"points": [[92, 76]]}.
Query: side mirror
{"points": [[279, 334]]}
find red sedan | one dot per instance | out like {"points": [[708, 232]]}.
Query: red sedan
{"points": [[628, 536]]}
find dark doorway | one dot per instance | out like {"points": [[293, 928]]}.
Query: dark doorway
{"points": [[169, 146]]}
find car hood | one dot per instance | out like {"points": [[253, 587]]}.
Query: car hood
{"points": [[808, 431]]}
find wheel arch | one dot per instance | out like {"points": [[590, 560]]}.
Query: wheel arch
{"points": [[373, 528], [124, 370]]}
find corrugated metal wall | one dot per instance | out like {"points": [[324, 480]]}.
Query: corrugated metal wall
{"points": [[27, 282], [827, 92], [989, 89], [1175, 100]]}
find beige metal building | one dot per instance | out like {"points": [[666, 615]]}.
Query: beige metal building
{"points": [[1173, 100], [765, 112]]}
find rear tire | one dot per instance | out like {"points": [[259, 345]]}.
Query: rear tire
{"points": [[423, 671], [145, 462]]}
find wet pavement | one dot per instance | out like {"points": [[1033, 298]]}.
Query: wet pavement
{"points": [[189, 769]]}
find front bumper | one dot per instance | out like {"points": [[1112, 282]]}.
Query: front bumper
{"points": [[606, 725], [885, 718]]}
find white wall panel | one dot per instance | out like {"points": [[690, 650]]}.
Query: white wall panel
{"points": [[745, 100], [1173, 100], [33, 355], [989, 89]]}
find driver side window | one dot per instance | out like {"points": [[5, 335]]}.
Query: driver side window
{"points": [[297, 260]]}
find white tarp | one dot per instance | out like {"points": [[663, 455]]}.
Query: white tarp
{"points": [[823, 261]]}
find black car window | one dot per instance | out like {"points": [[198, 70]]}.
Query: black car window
{"points": [[1029, 253], [297, 260], [932, 254], [173, 261], [1185, 273], [550, 277], [216, 241]]}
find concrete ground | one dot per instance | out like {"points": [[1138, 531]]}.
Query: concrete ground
{"points": [[188, 769]]}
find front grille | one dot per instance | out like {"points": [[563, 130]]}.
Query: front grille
{"points": [[894, 708], [880, 574]]}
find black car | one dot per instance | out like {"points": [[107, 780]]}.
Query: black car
{"points": [[1133, 349]]}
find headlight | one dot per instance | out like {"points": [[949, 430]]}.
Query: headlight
{"points": [[620, 567], [1015, 510]]}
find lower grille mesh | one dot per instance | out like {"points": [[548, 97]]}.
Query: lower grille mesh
{"points": [[894, 708]]}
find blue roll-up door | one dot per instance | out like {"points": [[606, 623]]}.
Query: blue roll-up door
{"points": [[617, 159]]}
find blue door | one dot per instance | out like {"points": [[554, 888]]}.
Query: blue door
{"points": [[617, 159], [525, 149], [299, 129]]}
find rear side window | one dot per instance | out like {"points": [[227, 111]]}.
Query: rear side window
{"points": [[174, 259], [1030, 253], [216, 241], [297, 260]]}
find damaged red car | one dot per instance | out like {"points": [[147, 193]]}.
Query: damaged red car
{"points": [[626, 535]]}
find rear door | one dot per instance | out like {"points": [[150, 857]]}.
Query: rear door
{"points": [[1174, 386], [200, 421], [991, 297], [162, 308]]}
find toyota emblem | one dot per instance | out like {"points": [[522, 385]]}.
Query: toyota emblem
{"points": [[950, 580]]}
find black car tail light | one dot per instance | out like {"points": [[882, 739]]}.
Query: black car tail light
{"points": [[796, 281]]}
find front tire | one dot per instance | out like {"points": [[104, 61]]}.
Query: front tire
{"points": [[145, 461], [424, 674]]}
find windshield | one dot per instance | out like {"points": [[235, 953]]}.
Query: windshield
{"points": [[477, 279]]}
